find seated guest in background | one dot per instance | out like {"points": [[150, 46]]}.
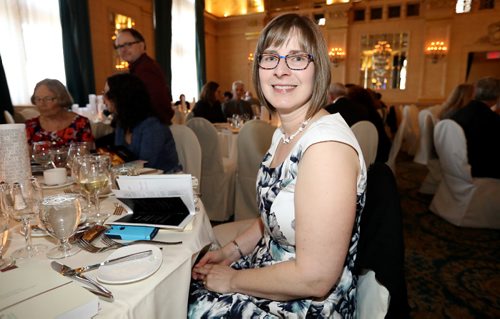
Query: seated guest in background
{"points": [[137, 129], [237, 105], [361, 96], [56, 123], [131, 47], [227, 96], [459, 97], [481, 126], [208, 106], [297, 258], [182, 103], [350, 111]]}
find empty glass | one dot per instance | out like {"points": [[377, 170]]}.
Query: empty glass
{"points": [[41, 153], [75, 150], [60, 215], [4, 234]]}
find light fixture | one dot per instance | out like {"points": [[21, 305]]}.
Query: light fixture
{"points": [[336, 55], [250, 58], [436, 51]]}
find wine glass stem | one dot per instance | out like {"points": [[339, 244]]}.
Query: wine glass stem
{"points": [[97, 204], [27, 235]]}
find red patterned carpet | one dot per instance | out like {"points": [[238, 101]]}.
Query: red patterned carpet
{"points": [[451, 272]]}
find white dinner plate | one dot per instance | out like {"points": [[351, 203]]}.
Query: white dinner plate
{"points": [[130, 271], [68, 182]]}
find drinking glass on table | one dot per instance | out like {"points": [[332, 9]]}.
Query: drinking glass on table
{"points": [[22, 201], [4, 234], [60, 215], [94, 176], [75, 150], [41, 153]]}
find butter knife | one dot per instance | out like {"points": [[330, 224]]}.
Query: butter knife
{"points": [[134, 256]]}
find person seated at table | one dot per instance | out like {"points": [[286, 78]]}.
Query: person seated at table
{"points": [[227, 96], [208, 106], [237, 105], [297, 259], [481, 127], [459, 97], [137, 128], [182, 104], [56, 123]]}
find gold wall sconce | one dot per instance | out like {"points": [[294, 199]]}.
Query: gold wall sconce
{"points": [[250, 58], [337, 56], [436, 51]]}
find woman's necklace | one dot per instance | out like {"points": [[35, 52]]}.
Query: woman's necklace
{"points": [[287, 140]]}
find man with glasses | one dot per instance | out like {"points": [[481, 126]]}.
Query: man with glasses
{"points": [[131, 47]]}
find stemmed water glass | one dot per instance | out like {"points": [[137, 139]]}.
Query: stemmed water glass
{"points": [[41, 153], [60, 215], [22, 201], [76, 149], [4, 233], [94, 176]]}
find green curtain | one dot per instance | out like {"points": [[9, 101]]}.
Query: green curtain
{"points": [[5, 101], [163, 36], [77, 49], [200, 42]]}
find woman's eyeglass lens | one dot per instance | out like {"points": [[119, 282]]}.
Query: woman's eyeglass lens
{"points": [[297, 62], [46, 99], [126, 44]]}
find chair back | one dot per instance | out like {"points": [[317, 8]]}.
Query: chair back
{"points": [[425, 150], [411, 134], [381, 249], [398, 139], [211, 159], [254, 140], [188, 149], [367, 137], [8, 117]]}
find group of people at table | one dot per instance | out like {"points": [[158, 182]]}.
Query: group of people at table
{"points": [[297, 259]]}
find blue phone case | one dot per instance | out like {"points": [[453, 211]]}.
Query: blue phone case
{"points": [[126, 232]]}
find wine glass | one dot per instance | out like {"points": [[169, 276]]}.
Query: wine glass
{"points": [[94, 172], [60, 215], [75, 150], [41, 153], [59, 156], [22, 201], [4, 231]]}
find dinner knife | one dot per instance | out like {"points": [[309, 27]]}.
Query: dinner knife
{"points": [[134, 256]]}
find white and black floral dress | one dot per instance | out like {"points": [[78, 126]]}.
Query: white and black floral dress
{"points": [[275, 189]]}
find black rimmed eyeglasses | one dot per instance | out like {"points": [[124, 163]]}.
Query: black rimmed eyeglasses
{"points": [[126, 44], [296, 61], [45, 99]]}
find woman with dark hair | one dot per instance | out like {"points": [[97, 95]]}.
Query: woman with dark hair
{"points": [[209, 105], [137, 128], [56, 123]]}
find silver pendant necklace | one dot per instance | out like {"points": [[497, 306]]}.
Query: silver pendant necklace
{"points": [[287, 140]]}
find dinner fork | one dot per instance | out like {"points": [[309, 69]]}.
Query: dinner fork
{"points": [[111, 243], [85, 245]]}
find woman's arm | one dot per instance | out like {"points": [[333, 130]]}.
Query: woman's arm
{"points": [[325, 208]]}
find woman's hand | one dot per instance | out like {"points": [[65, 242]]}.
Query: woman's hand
{"points": [[211, 258], [217, 277]]}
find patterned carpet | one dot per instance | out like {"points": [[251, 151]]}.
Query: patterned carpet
{"points": [[451, 272]]}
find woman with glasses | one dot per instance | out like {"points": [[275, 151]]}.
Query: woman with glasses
{"points": [[56, 123], [297, 259]]}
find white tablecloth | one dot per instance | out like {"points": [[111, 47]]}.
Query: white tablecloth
{"points": [[162, 295], [228, 142]]}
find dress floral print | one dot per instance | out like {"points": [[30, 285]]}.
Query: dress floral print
{"points": [[275, 187], [78, 131]]}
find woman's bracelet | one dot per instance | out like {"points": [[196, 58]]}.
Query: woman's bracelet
{"points": [[238, 248]]}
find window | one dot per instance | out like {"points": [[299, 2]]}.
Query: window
{"points": [[359, 15], [375, 13], [412, 10], [30, 45], [463, 6], [394, 11]]}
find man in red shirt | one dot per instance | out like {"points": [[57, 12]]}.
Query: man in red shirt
{"points": [[131, 47]]}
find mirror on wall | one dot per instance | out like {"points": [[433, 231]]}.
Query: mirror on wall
{"points": [[384, 60]]}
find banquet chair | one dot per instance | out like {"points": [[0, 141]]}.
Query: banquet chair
{"points": [[411, 133], [426, 154], [217, 173], [461, 199], [188, 149], [367, 137], [8, 117], [254, 140], [398, 139], [25, 113], [381, 289]]}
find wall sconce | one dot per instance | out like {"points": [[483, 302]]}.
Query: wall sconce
{"points": [[436, 51], [336, 55], [250, 58]]}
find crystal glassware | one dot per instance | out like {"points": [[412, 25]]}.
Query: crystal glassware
{"points": [[60, 215], [4, 234], [75, 150], [41, 153]]}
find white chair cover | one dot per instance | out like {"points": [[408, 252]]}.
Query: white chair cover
{"points": [[426, 154], [398, 139], [372, 298], [8, 117], [461, 199], [27, 113], [367, 136], [412, 132], [217, 176], [254, 140], [188, 149]]}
